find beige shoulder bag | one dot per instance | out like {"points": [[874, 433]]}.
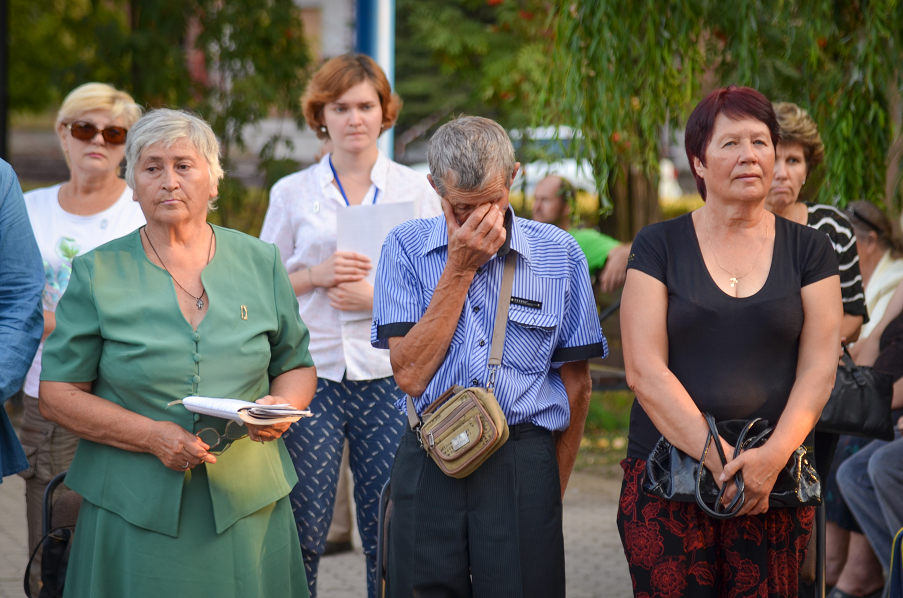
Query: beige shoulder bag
{"points": [[464, 426]]}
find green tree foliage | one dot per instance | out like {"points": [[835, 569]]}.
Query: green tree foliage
{"points": [[624, 69], [485, 57], [154, 44], [54, 47], [253, 56], [257, 61]]}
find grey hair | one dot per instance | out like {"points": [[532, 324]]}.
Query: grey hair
{"points": [[165, 126], [467, 152]]}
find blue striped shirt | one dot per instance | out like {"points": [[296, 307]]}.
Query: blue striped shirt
{"points": [[552, 319]]}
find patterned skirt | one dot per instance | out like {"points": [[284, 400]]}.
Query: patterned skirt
{"points": [[674, 550]]}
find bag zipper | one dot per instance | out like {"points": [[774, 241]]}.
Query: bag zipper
{"points": [[450, 420]]}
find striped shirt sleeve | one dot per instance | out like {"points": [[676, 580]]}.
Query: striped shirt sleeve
{"points": [[833, 223], [580, 334], [396, 299]]}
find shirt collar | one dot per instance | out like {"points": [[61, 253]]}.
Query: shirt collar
{"points": [[378, 175], [514, 239]]}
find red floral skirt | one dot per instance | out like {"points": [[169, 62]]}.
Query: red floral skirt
{"points": [[675, 550]]}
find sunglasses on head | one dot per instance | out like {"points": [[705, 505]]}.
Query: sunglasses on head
{"points": [[85, 131], [868, 223]]}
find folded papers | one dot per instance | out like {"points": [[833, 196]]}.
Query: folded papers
{"points": [[244, 411]]}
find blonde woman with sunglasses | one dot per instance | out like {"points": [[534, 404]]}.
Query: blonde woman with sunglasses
{"points": [[93, 207]]}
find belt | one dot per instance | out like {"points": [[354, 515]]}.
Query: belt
{"points": [[519, 431]]}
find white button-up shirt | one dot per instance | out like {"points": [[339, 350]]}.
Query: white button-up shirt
{"points": [[301, 222]]}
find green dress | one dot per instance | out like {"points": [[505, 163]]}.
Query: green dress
{"points": [[222, 530]]}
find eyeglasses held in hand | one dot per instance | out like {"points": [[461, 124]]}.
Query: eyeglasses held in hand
{"points": [[234, 431], [86, 131]]}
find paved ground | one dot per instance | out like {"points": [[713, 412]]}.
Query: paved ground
{"points": [[595, 563]]}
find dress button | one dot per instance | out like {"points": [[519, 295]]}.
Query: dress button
{"points": [[475, 382], [482, 342], [197, 357], [196, 336], [196, 379], [480, 270], [197, 417], [476, 309]]}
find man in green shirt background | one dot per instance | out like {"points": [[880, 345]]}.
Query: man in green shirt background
{"points": [[554, 201]]}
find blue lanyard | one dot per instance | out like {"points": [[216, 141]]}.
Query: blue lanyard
{"points": [[339, 183]]}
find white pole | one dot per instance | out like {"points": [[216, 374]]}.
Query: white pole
{"points": [[385, 58]]}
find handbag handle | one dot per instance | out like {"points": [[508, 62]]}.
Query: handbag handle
{"points": [[851, 366], [720, 511]]}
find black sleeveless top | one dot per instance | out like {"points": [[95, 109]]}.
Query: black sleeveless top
{"points": [[736, 357]]}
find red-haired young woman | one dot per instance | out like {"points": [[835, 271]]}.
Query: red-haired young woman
{"points": [[349, 102]]}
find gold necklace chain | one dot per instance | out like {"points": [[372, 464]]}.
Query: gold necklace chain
{"points": [[735, 280]]}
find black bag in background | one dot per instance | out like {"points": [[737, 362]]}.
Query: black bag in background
{"points": [[860, 402], [55, 547], [60, 517]]}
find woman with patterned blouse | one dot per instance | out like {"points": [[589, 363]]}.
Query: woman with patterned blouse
{"points": [[68, 219]]}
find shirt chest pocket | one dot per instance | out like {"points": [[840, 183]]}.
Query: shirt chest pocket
{"points": [[529, 339]]}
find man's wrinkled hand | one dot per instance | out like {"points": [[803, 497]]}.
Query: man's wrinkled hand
{"points": [[473, 243]]}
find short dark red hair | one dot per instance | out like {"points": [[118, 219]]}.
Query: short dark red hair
{"points": [[736, 103]]}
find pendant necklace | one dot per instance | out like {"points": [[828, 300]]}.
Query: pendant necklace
{"points": [[735, 280], [199, 300]]}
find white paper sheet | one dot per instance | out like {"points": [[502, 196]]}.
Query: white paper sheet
{"points": [[243, 411], [363, 229]]}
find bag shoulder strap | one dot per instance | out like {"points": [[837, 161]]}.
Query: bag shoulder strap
{"points": [[413, 420], [501, 314], [498, 333]]}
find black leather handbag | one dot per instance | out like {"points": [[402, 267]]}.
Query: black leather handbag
{"points": [[673, 475], [860, 402]]}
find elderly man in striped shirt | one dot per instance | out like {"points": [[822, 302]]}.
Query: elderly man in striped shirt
{"points": [[496, 532]]}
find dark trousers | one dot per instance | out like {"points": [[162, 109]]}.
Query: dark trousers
{"points": [[494, 533], [363, 412]]}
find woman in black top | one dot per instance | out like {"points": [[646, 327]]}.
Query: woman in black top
{"points": [[732, 311]]}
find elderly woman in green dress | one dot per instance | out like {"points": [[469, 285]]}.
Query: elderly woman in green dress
{"points": [[178, 308]]}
